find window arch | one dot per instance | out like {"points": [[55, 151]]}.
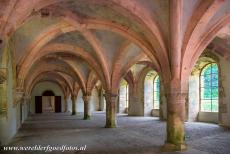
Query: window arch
{"points": [[152, 91], [156, 92], [209, 88], [124, 96]]}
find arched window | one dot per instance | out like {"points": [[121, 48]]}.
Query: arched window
{"points": [[156, 91], [209, 88], [123, 96], [152, 90]]}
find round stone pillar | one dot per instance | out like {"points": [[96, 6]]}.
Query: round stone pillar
{"points": [[111, 101], [87, 113], [175, 119], [101, 101], [73, 98]]}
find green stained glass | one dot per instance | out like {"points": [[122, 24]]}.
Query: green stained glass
{"points": [[214, 79], [207, 80], [207, 93], [209, 88], [156, 96], [215, 92], [214, 68], [156, 92], [207, 70]]}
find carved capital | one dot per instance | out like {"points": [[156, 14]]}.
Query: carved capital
{"points": [[86, 98], [19, 97], [26, 98], [111, 97], [74, 98]]}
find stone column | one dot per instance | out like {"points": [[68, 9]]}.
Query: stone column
{"points": [[136, 97], [163, 102], [29, 105], [111, 102], [28, 111], [175, 92], [101, 105], [175, 119], [73, 98], [87, 112], [118, 103]]}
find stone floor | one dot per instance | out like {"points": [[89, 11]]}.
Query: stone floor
{"points": [[134, 135]]}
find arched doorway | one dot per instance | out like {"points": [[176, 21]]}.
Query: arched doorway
{"points": [[47, 103]]}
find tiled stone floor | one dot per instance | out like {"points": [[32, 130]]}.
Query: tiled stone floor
{"points": [[134, 135]]}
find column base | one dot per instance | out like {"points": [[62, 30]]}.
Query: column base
{"points": [[111, 125], [168, 147], [86, 117], [73, 113]]}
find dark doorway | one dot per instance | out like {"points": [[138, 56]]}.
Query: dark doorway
{"points": [[57, 103], [56, 107], [38, 104], [48, 93]]}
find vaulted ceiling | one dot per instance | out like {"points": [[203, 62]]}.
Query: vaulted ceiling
{"points": [[76, 42]]}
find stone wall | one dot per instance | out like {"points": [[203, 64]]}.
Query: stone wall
{"points": [[15, 113], [224, 92]]}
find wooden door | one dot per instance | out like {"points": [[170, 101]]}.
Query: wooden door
{"points": [[57, 103], [38, 104]]}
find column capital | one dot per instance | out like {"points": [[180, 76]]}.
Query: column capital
{"points": [[73, 97], [26, 97], [110, 96], [86, 98], [19, 96]]}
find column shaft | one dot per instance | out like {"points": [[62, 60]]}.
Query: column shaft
{"points": [[87, 112], [111, 102], [66, 104], [175, 120], [73, 98], [100, 101]]}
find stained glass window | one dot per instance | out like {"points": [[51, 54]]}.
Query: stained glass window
{"points": [[209, 94], [156, 91]]}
